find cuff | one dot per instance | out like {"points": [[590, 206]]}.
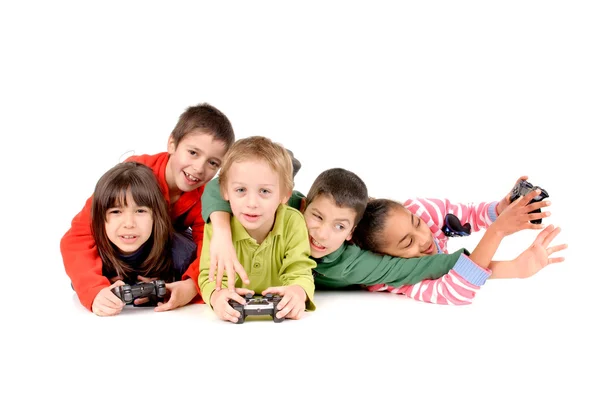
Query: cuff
{"points": [[470, 271], [492, 213]]}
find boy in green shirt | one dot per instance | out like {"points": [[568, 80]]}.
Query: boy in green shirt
{"points": [[335, 204], [269, 238]]}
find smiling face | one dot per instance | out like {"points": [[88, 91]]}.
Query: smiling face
{"points": [[128, 226], [406, 235], [329, 225], [253, 190], [194, 161]]}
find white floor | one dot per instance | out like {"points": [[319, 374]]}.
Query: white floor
{"points": [[520, 338], [436, 99]]}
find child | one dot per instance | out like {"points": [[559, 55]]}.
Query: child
{"points": [[269, 237], [334, 205], [196, 149], [415, 229], [133, 233]]}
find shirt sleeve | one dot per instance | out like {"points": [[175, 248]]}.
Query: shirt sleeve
{"points": [[362, 267], [204, 285], [433, 212], [457, 287], [212, 200], [81, 259], [297, 265]]}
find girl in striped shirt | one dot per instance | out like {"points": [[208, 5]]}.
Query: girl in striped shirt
{"points": [[416, 229]]}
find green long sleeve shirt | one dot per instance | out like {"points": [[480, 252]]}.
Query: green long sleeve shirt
{"points": [[350, 265], [282, 259]]}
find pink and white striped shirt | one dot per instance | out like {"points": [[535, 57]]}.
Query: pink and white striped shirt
{"points": [[459, 286]]}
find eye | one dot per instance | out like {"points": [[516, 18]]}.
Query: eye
{"points": [[114, 211], [143, 210], [192, 152], [409, 243], [265, 191], [214, 164], [318, 217], [340, 227], [240, 190]]}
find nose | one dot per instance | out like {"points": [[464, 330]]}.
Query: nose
{"points": [[321, 234], [129, 220], [198, 167], [252, 200]]}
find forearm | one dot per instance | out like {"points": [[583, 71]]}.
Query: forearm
{"points": [[221, 223], [504, 269], [486, 248]]}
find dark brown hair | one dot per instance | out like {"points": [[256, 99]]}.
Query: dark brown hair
{"points": [[368, 234], [346, 188], [206, 118], [111, 191]]}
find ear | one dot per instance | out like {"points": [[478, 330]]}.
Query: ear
{"points": [[171, 146], [225, 196], [349, 237], [286, 197]]}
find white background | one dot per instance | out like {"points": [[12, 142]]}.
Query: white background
{"points": [[441, 99]]}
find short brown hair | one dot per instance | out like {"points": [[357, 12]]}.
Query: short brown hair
{"points": [[207, 119], [111, 191], [344, 187], [261, 148]]}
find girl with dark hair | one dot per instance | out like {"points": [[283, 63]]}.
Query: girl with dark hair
{"points": [[133, 233]]}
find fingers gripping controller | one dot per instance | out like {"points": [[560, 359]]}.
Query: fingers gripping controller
{"points": [[522, 189], [155, 291], [257, 305]]}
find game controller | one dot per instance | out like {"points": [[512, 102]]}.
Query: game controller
{"points": [[452, 227], [522, 188], [154, 290], [257, 305]]}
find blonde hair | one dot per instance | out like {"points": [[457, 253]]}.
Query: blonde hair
{"points": [[259, 148]]}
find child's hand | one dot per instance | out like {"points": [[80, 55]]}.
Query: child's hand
{"points": [[505, 201], [516, 216], [293, 301], [143, 300], [537, 256], [220, 303], [106, 302], [223, 258], [179, 294]]}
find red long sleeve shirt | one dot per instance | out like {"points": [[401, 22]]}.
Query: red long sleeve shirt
{"points": [[78, 248]]}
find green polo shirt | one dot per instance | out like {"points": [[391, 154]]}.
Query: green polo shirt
{"points": [[282, 259]]}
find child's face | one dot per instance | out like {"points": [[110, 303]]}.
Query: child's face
{"points": [[328, 225], [194, 162], [406, 235], [128, 227], [254, 193]]}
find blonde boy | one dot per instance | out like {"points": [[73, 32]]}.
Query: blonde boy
{"points": [[270, 238]]}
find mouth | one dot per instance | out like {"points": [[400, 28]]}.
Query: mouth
{"points": [[190, 179], [316, 245], [251, 217], [128, 238]]}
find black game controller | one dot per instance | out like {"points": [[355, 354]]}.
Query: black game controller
{"points": [[154, 290], [452, 227], [522, 189], [257, 305]]}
